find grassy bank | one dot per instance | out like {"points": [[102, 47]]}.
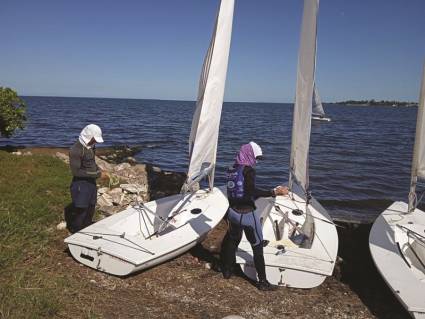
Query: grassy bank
{"points": [[33, 192]]}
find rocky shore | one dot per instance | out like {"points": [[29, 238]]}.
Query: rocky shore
{"points": [[188, 286], [125, 181]]}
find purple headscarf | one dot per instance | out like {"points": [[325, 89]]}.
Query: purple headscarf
{"points": [[246, 156]]}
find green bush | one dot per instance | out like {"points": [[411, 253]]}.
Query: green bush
{"points": [[12, 112]]}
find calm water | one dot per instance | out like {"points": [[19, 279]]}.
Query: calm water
{"points": [[359, 162]]}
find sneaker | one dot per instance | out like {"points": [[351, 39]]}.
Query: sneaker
{"points": [[264, 285]]}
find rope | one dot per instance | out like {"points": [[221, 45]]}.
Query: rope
{"points": [[315, 233], [96, 236], [315, 217], [140, 224], [419, 200], [411, 231]]}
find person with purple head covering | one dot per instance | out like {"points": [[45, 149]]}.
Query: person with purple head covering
{"points": [[241, 217]]}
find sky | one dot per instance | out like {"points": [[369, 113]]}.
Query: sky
{"points": [[154, 49]]}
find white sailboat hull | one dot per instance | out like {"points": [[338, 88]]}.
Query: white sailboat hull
{"points": [[399, 254], [319, 118], [126, 242], [294, 266]]}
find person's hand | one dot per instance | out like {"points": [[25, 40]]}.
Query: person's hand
{"points": [[281, 190]]}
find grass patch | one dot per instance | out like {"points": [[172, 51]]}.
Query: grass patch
{"points": [[33, 280]]}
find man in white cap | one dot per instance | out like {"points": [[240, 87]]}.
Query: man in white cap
{"points": [[84, 171]]}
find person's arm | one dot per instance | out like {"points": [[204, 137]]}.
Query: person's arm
{"points": [[75, 156], [251, 190]]}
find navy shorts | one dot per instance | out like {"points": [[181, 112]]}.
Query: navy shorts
{"points": [[83, 193]]}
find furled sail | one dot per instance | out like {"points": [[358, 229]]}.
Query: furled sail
{"points": [[206, 119], [317, 103], [304, 94], [418, 163]]}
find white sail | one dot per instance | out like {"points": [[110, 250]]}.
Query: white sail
{"points": [[317, 103], [418, 163], [206, 120], [304, 94]]}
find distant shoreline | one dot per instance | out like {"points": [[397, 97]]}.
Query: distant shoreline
{"points": [[346, 103], [376, 103]]}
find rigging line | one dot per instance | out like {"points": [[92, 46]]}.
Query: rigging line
{"points": [[315, 217], [140, 224], [177, 211], [306, 256], [140, 248], [105, 234], [289, 220], [419, 240], [412, 231], [418, 201], [324, 247], [417, 256], [142, 207], [184, 202]]}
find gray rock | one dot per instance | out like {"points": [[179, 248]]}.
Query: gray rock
{"points": [[61, 226], [130, 160], [102, 190], [139, 169], [125, 201], [104, 200], [62, 157], [110, 210], [122, 166], [117, 190], [134, 188], [104, 165], [117, 198]]}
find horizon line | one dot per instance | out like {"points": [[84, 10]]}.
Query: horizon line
{"points": [[184, 100]]}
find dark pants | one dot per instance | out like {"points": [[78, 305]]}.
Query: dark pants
{"points": [[80, 214], [249, 224]]}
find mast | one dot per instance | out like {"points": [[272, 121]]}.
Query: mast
{"points": [[301, 127], [418, 162], [206, 119]]}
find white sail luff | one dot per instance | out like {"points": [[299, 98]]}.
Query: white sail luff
{"points": [[206, 120], [304, 94], [317, 103], [418, 162]]}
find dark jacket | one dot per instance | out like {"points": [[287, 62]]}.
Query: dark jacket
{"points": [[82, 162], [247, 204]]}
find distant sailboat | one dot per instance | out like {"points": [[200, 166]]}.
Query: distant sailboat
{"points": [[397, 237], [303, 241], [147, 234], [318, 112]]}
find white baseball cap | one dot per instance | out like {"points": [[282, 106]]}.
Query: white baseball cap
{"points": [[91, 131]]}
